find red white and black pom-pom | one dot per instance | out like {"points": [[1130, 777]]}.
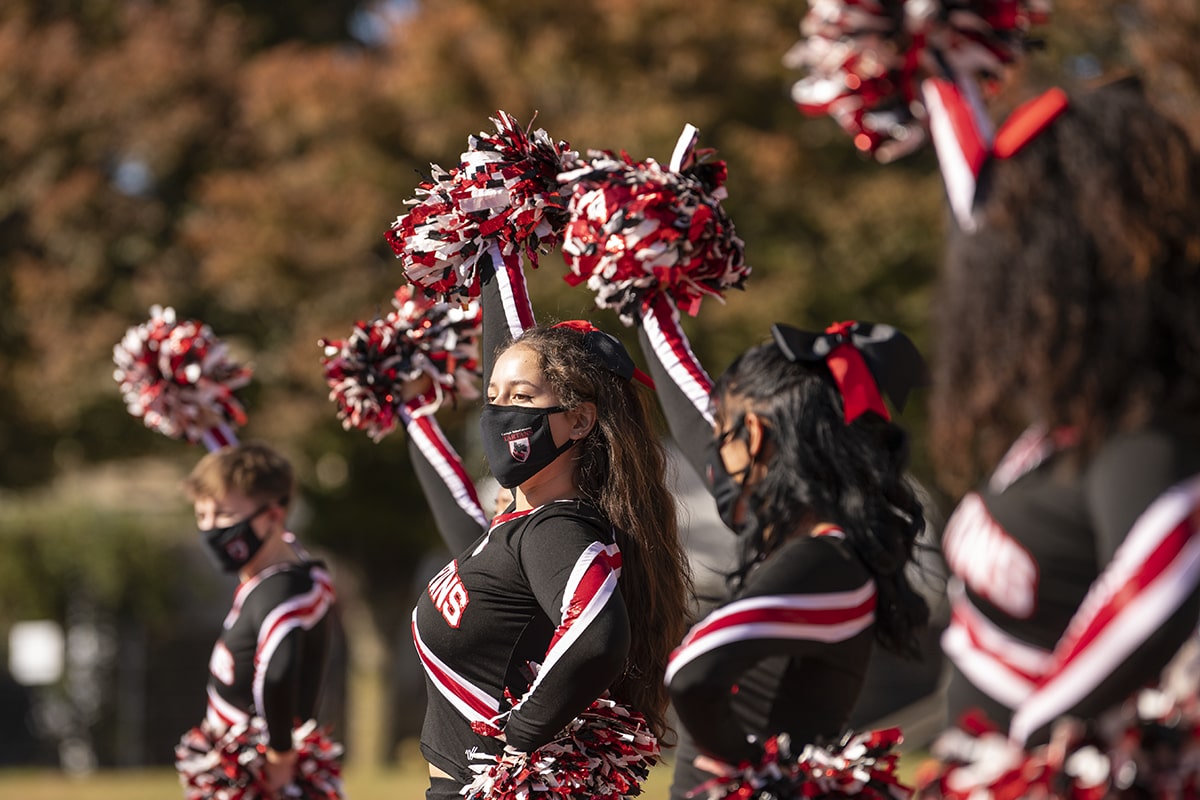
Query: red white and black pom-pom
{"points": [[637, 229], [229, 765], [502, 200], [1149, 747], [178, 378], [861, 765], [366, 372], [605, 753], [865, 60]]}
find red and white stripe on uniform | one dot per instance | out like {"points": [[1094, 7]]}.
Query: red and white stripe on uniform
{"points": [[1003, 667], [218, 436], [246, 587], [302, 611], [962, 135], [477, 706], [829, 617], [592, 584], [222, 714], [670, 345], [1152, 573]]}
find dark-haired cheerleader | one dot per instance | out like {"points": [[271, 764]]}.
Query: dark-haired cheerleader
{"points": [[808, 471], [1070, 312]]}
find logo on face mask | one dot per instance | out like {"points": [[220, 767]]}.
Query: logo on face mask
{"points": [[233, 546], [518, 443], [238, 550]]}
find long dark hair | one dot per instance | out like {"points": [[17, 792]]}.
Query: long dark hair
{"points": [[622, 471], [1075, 304], [822, 470]]}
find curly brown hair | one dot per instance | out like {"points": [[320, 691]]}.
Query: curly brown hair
{"points": [[622, 471], [1076, 303]]}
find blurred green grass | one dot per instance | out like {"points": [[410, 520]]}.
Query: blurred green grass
{"points": [[407, 782], [404, 783]]}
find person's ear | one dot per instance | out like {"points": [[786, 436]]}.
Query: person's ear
{"points": [[276, 517], [583, 419], [756, 430]]}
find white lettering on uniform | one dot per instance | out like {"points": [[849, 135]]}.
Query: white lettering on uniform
{"points": [[449, 595], [221, 664], [991, 563]]}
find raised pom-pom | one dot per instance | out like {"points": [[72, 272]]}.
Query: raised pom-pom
{"points": [[865, 60], [605, 753], [229, 766], [437, 244], [861, 765], [177, 377], [637, 229], [366, 372], [502, 200]]}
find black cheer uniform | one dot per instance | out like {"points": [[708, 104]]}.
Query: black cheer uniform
{"points": [[788, 651], [532, 609], [270, 658], [1073, 586]]}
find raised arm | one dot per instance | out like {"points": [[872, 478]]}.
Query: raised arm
{"points": [[448, 488], [507, 312], [682, 384]]}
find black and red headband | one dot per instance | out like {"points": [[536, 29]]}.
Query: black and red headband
{"points": [[867, 360], [608, 351]]}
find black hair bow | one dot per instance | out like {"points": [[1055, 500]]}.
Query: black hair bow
{"points": [[608, 350], [865, 358]]}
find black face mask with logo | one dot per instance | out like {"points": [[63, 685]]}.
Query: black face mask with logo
{"points": [[232, 547], [518, 442]]}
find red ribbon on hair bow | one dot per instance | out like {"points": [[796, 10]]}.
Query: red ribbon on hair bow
{"points": [[866, 359], [860, 394]]}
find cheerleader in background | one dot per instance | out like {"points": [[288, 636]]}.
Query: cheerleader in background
{"points": [[270, 659], [258, 738], [1070, 330]]}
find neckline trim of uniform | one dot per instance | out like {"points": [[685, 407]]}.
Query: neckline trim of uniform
{"points": [[509, 516]]}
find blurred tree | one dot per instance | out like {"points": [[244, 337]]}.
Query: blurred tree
{"points": [[240, 161]]}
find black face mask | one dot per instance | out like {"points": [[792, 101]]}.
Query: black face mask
{"points": [[725, 487], [517, 441], [232, 547]]}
